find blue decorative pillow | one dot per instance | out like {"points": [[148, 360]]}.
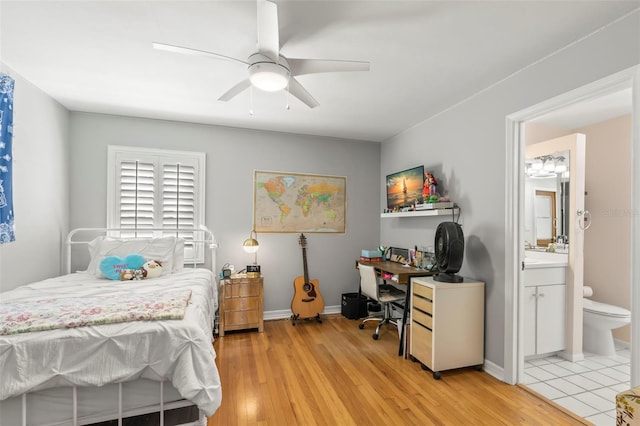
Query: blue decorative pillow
{"points": [[112, 266]]}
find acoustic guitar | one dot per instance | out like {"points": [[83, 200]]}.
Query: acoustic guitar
{"points": [[307, 301]]}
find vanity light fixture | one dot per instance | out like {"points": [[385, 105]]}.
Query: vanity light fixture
{"points": [[561, 165], [547, 166], [536, 164]]}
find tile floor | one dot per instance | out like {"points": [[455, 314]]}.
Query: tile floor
{"points": [[587, 388]]}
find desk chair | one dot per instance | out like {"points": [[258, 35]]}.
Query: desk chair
{"points": [[383, 293]]}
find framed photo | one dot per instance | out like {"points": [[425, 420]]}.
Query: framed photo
{"points": [[404, 188], [294, 202]]}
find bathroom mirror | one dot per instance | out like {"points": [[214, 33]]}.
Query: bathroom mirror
{"points": [[546, 201]]}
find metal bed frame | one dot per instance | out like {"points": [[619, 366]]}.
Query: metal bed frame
{"points": [[201, 235]]}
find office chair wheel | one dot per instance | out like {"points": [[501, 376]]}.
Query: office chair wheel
{"points": [[361, 326], [375, 336]]}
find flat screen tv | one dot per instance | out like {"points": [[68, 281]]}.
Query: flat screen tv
{"points": [[404, 188]]}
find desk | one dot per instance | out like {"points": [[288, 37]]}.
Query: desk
{"points": [[402, 275]]}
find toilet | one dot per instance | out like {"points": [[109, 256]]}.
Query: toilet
{"points": [[598, 320]]}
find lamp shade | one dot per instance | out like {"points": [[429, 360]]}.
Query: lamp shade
{"points": [[251, 244]]}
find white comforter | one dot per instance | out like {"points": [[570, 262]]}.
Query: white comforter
{"points": [[179, 351]]}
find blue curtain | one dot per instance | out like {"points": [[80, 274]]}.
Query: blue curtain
{"points": [[7, 230]]}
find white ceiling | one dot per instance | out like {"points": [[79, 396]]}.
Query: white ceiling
{"points": [[591, 111], [425, 56]]}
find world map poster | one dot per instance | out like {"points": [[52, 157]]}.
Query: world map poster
{"points": [[292, 202]]}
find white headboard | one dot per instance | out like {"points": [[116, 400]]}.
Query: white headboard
{"points": [[199, 236]]}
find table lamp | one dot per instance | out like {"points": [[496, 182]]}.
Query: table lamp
{"points": [[251, 245]]}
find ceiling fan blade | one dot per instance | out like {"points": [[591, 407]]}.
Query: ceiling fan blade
{"points": [[313, 66], [296, 89], [189, 51], [235, 90], [268, 34]]}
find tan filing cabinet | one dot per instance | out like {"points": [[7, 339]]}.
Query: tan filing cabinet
{"points": [[241, 304], [447, 324]]}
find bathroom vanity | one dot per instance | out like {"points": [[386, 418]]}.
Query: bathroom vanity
{"points": [[544, 302]]}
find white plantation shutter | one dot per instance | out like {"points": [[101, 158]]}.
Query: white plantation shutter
{"points": [[137, 195], [178, 201], [156, 189], [178, 196]]}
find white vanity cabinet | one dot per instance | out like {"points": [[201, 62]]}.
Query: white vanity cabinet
{"points": [[544, 309]]}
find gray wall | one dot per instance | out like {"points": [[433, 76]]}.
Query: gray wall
{"points": [[232, 157], [41, 186], [465, 147]]}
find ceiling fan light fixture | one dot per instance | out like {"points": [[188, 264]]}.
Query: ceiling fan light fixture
{"points": [[268, 70], [269, 76]]}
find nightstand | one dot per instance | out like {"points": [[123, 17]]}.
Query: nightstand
{"points": [[241, 304]]}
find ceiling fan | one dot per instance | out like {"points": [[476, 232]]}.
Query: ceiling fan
{"points": [[268, 69]]}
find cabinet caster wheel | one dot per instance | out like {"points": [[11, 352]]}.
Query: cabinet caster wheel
{"points": [[424, 367], [478, 367], [412, 358], [436, 375], [361, 326], [375, 337]]}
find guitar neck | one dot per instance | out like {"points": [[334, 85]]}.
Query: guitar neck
{"points": [[304, 264]]}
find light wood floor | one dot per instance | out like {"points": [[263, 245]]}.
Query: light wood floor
{"points": [[335, 374]]}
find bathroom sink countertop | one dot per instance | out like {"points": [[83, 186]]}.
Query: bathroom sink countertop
{"points": [[535, 259]]}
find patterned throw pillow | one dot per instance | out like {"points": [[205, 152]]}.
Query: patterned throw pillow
{"points": [[112, 266], [161, 249]]}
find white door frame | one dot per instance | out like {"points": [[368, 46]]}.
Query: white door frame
{"points": [[514, 206]]}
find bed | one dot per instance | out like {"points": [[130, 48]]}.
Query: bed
{"points": [[84, 349]]}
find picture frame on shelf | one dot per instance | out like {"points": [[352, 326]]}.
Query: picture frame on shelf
{"points": [[404, 189]]}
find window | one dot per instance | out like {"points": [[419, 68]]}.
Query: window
{"points": [[151, 189]]}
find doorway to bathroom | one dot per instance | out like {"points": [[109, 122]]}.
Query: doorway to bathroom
{"points": [[628, 81]]}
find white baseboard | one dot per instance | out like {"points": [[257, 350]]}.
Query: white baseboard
{"points": [[286, 313], [494, 370], [573, 357], [621, 344]]}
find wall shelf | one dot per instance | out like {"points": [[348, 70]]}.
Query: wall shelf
{"points": [[417, 213]]}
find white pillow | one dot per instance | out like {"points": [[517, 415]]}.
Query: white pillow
{"points": [[178, 255], [160, 249]]}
